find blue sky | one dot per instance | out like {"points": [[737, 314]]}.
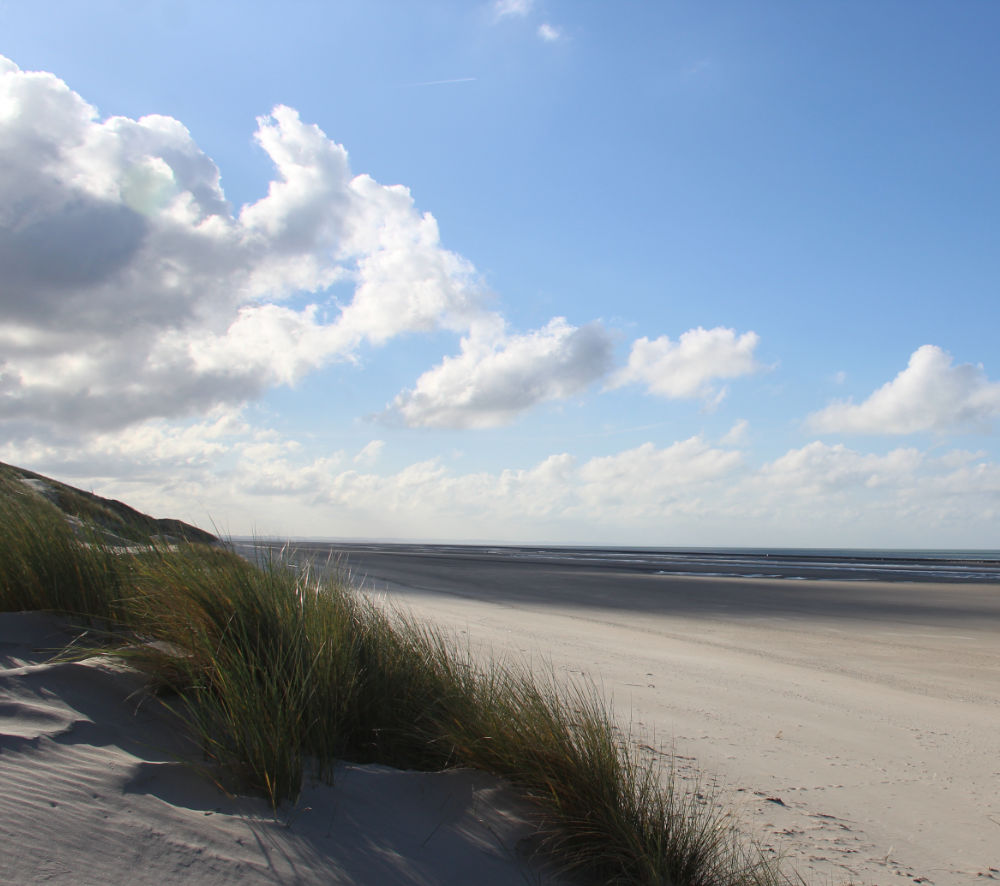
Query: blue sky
{"points": [[589, 272]]}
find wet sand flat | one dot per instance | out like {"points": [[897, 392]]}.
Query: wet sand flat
{"points": [[855, 725]]}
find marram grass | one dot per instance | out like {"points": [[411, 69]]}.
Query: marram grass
{"points": [[47, 564], [278, 670]]}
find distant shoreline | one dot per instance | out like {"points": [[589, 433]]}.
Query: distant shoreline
{"points": [[758, 563]]}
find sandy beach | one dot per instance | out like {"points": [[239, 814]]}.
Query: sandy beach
{"points": [[854, 725]]}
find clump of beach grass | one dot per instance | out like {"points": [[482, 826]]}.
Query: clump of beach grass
{"points": [[46, 564], [278, 669]]}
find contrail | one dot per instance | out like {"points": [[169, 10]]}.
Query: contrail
{"points": [[442, 82]]}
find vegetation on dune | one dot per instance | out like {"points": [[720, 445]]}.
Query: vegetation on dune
{"points": [[43, 564], [103, 516], [278, 669]]}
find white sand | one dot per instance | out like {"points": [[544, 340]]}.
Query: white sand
{"points": [[91, 794], [880, 736]]}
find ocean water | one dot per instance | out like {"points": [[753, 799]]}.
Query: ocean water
{"points": [[794, 564]]}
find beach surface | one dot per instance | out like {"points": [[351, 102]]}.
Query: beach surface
{"points": [[854, 725]]}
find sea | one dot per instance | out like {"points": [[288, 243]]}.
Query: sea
{"points": [[792, 564]]}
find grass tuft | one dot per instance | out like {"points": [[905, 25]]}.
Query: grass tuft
{"points": [[45, 564]]}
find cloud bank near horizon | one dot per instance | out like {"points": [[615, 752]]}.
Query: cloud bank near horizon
{"points": [[649, 494]]}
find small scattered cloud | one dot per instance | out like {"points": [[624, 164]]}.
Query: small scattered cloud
{"points": [[930, 394], [497, 376], [737, 434], [549, 33], [839, 377], [370, 453], [444, 82], [689, 367], [518, 8], [546, 31], [699, 67]]}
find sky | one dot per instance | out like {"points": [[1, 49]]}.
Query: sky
{"points": [[533, 271]]}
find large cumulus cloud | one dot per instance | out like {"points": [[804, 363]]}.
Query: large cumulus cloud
{"points": [[132, 289]]}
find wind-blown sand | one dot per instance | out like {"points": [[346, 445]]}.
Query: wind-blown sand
{"points": [[91, 794], [856, 725]]}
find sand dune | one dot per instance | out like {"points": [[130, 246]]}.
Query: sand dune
{"points": [[92, 792]]}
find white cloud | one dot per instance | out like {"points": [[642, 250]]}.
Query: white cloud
{"points": [[675, 493], [820, 469], [156, 450], [687, 368], [370, 453], [270, 468], [826, 495], [686, 492], [503, 9], [648, 481], [405, 280], [497, 376], [628, 486], [519, 8], [737, 434], [132, 290], [931, 394]]}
